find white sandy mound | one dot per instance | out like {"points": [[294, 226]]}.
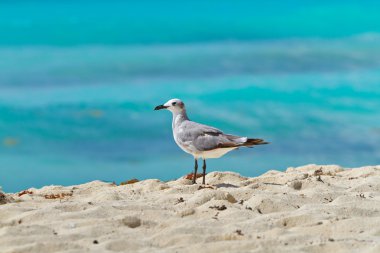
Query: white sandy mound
{"points": [[305, 209]]}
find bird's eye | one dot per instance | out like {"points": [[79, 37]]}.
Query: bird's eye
{"points": [[174, 103]]}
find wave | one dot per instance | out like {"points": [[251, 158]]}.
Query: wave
{"points": [[38, 66], [83, 22]]}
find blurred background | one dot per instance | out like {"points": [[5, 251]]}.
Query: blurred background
{"points": [[79, 81]]}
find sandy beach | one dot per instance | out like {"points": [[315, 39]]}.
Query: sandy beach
{"points": [[312, 208]]}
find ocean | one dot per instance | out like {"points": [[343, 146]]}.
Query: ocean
{"points": [[79, 81]]}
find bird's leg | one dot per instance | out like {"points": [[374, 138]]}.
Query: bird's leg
{"points": [[204, 171], [195, 171]]}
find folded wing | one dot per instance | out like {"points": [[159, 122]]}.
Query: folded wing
{"points": [[205, 138]]}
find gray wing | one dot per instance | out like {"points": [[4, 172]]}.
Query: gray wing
{"points": [[205, 138]]}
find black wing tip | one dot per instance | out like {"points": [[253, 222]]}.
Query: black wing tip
{"points": [[252, 142]]}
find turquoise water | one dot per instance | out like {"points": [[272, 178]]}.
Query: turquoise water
{"points": [[79, 81]]}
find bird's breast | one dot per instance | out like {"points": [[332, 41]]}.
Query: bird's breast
{"points": [[185, 146]]}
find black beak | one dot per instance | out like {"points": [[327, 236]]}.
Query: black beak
{"points": [[160, 107]]}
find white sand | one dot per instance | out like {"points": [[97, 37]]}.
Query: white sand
{"points": [[263, 214]]}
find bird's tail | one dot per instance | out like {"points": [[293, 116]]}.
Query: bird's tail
{"points": [[253, 142], [237, 141]]}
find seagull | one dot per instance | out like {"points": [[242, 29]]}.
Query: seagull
{"points": [[202, 141]]}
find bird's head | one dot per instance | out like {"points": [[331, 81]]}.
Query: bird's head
{"points": [[174, 105]]}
